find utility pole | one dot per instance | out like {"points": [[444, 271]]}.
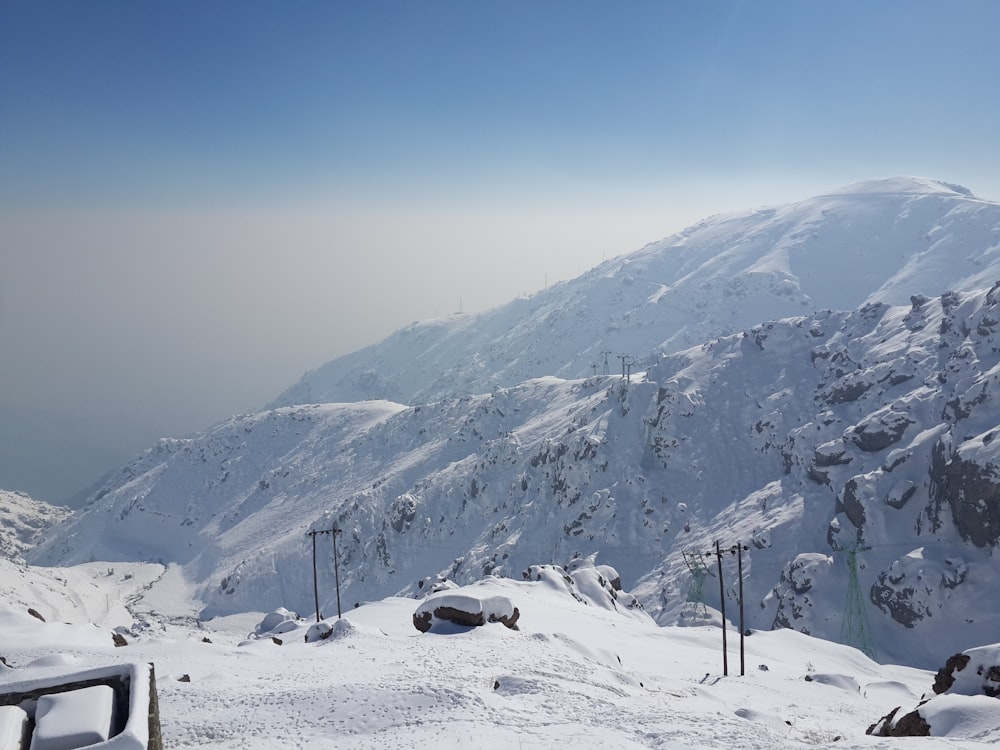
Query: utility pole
{"points": [[722, 603], [736, 549], [739, 568], [315, 584], [336, 571], [336, 566], [607, 370]]}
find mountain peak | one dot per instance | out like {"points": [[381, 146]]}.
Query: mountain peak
{"points": [[875, 241], [901, 186]]}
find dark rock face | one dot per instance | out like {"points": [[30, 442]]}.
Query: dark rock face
{"points": [[879, 434], [900, 603], [910, 725], [850, 505], [119, 639], [422, 621], [945, 676], [992, 675], [972, 491]]}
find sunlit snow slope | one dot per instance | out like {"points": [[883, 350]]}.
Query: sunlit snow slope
{"points": [[880, 240], [804, 439]]}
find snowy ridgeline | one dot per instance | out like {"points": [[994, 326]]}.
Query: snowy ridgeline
{"points": [[814, 441], [580, 670], [881, 240]]}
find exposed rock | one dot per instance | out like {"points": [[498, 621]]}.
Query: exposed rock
{"points": [[850, 505], [422, 621], [465, 607], [119, 639], [832, 453], [873, 435], [184, 678], [910, 725], [972, 491], [945, 676], [319, 631], [34, 613], [972, 672]]}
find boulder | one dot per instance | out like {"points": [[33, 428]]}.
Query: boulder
{"points": [[466, 608]]}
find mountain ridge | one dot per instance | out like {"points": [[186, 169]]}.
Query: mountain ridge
{"points": [[806, 437], [718, 276]]}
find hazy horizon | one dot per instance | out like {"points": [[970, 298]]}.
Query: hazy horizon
{"points": [[199, 203]]}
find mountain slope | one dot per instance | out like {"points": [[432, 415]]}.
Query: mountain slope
{"points": [[804, 438], [880, 240], [23, 520]]}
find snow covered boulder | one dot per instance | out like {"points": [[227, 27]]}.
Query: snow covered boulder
{"points": [[277, 622], [464, 606], [964, 705], [588, 583], [972, 672]]}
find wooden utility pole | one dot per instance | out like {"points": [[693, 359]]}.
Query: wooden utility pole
{"points": [[722, 606], [739, 567], [736, 549], [315, 584], [336, 567]]}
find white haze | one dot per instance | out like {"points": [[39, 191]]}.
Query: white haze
{"points": [[120, 328]]}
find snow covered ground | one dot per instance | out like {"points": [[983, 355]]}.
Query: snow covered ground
{"points": [[579, 672]]}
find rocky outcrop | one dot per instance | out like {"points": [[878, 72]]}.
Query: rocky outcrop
{"points": [[964, 679], [972, 491], [909, 725], [465, 608]]}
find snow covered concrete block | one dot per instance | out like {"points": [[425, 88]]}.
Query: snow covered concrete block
{"points": [[135, 718], [73, 719], [13, 727]]}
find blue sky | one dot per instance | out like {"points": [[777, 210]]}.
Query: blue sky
{"points": [[201, 200], [209, 104]]}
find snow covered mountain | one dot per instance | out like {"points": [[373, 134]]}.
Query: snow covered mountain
{"points": [[876, 241], [851, 452], [863, 436], [23, 520]]}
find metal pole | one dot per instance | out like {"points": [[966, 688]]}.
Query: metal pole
{"points": [[722, 602], [315, 584], [739, 564], [336, 568]]}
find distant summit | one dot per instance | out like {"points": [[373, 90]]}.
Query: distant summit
{"points": [[875, 241], [903, 186]]}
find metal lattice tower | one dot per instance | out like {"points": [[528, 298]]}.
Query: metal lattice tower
{"points": [[699, 572], [607, 370], [855, 630]]}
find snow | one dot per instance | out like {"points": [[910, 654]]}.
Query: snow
{"points": [[13, 726], [574, 674], [520, 476], [73, 719], [963, 717]]}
